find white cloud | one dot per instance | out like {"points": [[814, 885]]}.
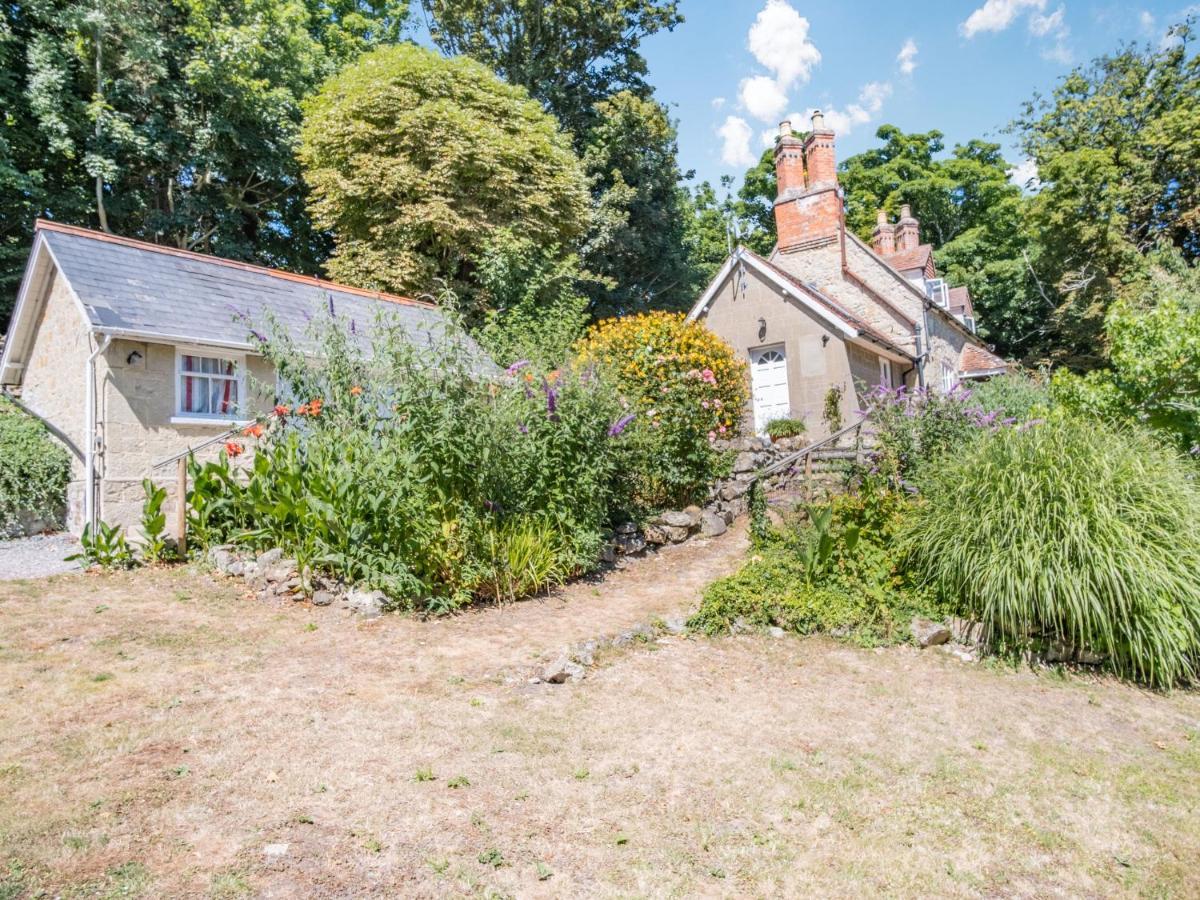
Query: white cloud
{"points": [[997, 15], [735, 133], [768, 137], [870, 101], [1147, 23], [907, 57], [762, 98], [779, 41], [1025, 176], [718, 102], [1040, 25]]}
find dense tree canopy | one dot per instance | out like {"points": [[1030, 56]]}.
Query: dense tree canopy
{"points": [[415, 161], [1117, 147], [582, 60], [569, 54], [169, 121]]}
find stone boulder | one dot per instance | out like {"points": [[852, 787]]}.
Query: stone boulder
{"points": [[712, 525], [676, 519], [368, 604], [928, 633], [562, 670]]}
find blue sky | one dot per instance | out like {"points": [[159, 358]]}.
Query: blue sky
{"points": [[736, 67]]}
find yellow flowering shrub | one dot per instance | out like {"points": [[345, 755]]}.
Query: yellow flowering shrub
{"points": [[684, 387]]}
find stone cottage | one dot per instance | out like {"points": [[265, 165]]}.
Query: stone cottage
{"points": [[827, 310], [131, 352]]}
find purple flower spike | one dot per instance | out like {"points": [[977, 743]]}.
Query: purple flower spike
{"points": [[618, 426], [522, 428], [516, 367], [353, 327], [259, 336], [552, 404], [329, 297]]}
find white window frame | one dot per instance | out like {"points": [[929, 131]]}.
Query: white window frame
{"points": [[885, 372], [949, 379], [180, 417]]}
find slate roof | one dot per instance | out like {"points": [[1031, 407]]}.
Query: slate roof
{"points": [[135, 288]]}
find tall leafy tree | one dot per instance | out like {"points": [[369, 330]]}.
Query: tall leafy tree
{"points": [[171, 121], [1117, 147], [417, 163], [582, 59], [642, 216], [569, 54]]}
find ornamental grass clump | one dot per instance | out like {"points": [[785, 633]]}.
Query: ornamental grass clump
{"points": [[1071, 532]]}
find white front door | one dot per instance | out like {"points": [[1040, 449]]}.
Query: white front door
{"points": [[768, 377]]}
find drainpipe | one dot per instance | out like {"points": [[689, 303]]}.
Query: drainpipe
{"points": [[89, 436], [920, 362]]}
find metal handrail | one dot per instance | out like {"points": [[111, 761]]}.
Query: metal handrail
{"points": [[787, 461]]}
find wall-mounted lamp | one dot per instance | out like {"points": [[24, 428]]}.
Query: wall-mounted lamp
{"points": [[133, 358], [824, 340], [762, 329]]}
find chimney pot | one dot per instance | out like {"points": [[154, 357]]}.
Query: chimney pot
{"points": [[906, 211], [881, 217], [785, 128], [818, 120]]}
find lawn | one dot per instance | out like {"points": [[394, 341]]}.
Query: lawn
{"points": [[162, 735]]}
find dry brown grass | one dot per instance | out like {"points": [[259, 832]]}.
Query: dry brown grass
{"points": [[159, 733]]}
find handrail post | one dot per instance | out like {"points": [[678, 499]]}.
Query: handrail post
{"points": [[181, 507]]}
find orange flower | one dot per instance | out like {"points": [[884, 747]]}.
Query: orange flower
{"points": [[314, 406], [553, 376], [234, 449], [282, 410], [302, 409], [254, 431], [355, 391]]}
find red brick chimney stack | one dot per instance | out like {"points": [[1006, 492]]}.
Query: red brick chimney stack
{"points": [[807, 206], [883, 239], [908, 230]]}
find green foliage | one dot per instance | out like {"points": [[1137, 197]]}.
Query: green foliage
{"points": [[407, 472], [174, 122], [521, 557], [34, 469], [1017, 395], [833, 572], [911, 430], [154, 523], [785, 428], [831, 412], [685, 388], [638, 245], [415, 162], [105, 548], [1154, 374], [537, 312], [569, 54], [1119, 164], [1073, 531]]}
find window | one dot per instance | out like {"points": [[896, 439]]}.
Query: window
{"points": [[949, 379], [208, 386], [885, 372]]}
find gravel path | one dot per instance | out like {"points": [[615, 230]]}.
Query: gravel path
{"points": [[37, 557]]}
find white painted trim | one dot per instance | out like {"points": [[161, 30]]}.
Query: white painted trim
{"points": [[981, 373], [179, 417], [783, 285], [187, 340], [713, 286], [222, 422], [880, 350]]}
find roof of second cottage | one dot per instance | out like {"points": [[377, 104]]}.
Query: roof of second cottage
{"points": [[138, 288]]}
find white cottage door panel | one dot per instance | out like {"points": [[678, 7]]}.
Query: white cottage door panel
{"points": [[768, 378]]}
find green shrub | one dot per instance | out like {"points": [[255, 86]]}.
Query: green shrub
{"points": [[685, 388], [409, 471], [785, 428], [104, 548], [1017, 396], [834, 572], [34, 469], [1074, 531], [154, 523]]}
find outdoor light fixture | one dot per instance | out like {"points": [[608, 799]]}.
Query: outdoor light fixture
{"points": [[824, 340], [762, 329], [133, 358]]}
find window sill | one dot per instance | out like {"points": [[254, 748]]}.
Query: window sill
{"points": [[209, 422]]}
